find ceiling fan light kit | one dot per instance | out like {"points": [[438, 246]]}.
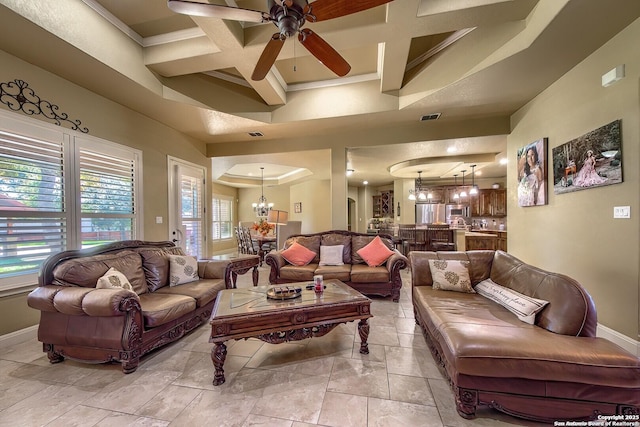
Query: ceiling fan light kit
{"points": [[289, 16]]}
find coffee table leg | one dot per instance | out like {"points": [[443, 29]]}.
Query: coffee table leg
{"points": [[363, 330], [218, 356], [234, 278], [254, 275]]}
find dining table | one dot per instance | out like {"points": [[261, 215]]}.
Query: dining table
{"points": [[262, 241]]}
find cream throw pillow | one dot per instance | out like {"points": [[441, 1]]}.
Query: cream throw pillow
{"points": [[451, 275], [182, 269], [331, 255], [523, 306], [113, 279]]}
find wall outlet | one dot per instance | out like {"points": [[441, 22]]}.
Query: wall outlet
{"points": [[622, 211]]}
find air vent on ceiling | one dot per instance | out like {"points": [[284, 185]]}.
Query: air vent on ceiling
{"points": [[434, 116], [254, 134]]}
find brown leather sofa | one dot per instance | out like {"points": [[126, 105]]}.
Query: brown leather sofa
{"points": [[384, 280], [80, 322], [555, 369]]}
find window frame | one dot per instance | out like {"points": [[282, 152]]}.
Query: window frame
{"points": [[71, 141]]}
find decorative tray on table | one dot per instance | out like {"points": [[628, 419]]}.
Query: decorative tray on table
{"points": [[284, 292]]}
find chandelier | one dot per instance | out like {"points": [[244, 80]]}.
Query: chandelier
{"points": [[418, 190], [262, 208]]}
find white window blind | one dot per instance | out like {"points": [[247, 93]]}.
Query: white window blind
{"points": [[222, 215], [33, 222], [60, 191], [107, 197], [191, 204]]}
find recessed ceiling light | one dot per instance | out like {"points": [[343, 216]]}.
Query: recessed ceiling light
{"points": [[451, 149], [504, 161], [350, 172], [365, 182]]}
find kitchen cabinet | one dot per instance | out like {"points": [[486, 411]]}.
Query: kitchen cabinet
{"points": [[489, 202], [501, 239], [383, 205], [477, 241]]}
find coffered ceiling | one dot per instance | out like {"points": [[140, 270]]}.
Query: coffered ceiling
{"points": [[475, 62]]}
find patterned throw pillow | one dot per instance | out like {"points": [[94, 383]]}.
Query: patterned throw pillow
{"points": [[523, 306], [331, 255], [375, 253], [182, 269], [298, 255], [113, 279], [451, 275]]}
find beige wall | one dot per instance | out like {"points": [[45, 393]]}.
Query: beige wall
{"points": [[575, 233], [315, 197], [108, 120]]}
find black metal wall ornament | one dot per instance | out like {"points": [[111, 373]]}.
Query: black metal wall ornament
{"points": [[18, 96]]}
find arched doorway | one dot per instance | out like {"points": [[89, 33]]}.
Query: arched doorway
{"points": [[351, 213]]}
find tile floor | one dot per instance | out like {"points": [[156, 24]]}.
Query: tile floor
{"points": [[317, 382]]}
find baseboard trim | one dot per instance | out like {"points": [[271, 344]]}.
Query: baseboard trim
{"points": [[629, 344], [18, 337]]}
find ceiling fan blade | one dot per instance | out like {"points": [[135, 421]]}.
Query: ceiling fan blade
{"points": [[329, 9], [216, 11], [324, 52], [268, 57]]}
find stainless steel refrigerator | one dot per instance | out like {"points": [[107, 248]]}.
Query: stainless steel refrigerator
{"points": [[430, 213]]}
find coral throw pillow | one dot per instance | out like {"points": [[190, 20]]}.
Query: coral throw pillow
{"points": [[375, 253], [297, 254]]}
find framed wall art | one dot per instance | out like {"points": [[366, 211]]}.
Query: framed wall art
{"points": [[532, 181], [591, 160]]}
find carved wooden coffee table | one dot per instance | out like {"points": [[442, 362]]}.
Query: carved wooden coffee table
{"points": [[248, 313], [240, 264]]}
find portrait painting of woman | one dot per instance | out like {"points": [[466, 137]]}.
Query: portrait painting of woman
{"points": [[532, 188], [589, 161]]}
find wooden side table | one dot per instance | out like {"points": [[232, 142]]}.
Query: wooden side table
{"points": [[240, 264]]}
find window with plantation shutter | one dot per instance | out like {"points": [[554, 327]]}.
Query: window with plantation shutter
{"points": [[33, 221], [107, 197], [60, 191], [191, 201], [222, 215]]}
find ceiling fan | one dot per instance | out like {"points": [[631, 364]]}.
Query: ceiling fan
{"points": [[289, 16]]}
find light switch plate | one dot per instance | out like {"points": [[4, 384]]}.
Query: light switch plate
{"points": [[622, 211], [158, 220]]}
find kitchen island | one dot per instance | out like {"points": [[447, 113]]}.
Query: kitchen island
{"points": [[480, 240]]}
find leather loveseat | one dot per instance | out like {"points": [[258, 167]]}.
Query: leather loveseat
{"points": [[553, 369], [81, 322], [383, 280]]}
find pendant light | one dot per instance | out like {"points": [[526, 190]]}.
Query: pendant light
{"points": [[474, 189], [262, 208], [421, 195], [463, 193], [456, 196], [417, 192]]}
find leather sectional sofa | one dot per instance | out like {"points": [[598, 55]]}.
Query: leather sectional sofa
{"points": [[553, 369], [383, 280], [80, 322]]}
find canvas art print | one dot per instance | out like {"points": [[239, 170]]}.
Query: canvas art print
{"points": [[532, 183], [591, 160]]}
